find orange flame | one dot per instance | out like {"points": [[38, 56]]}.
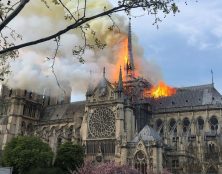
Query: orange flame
{"points": [[123, 59], [161, 90]]}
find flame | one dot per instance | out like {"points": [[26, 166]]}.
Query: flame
{"points": [[161, 90], [123, 60], [122, 57]]}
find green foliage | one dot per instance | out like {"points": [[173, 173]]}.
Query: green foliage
{"points": [[69, 156], [24, 153], [45, 171]]}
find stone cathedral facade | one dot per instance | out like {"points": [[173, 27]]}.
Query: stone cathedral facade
{"points": [[118, 122]]}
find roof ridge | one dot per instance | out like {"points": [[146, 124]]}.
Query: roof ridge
{"points": [[81, 101], [196, 86]]}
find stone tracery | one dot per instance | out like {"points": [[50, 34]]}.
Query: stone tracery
{"points": [[102, 123]]}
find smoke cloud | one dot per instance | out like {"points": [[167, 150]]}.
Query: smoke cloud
{"points": [[32, 70]]}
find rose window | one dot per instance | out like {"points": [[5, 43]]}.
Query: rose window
{"points": [[102, 123]]}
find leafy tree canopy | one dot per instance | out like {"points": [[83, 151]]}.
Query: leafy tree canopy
{"points": [[52, 170], [24, 153], [69, 156]]}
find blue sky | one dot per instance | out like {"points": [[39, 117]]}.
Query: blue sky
{"points": [[186, 46]]}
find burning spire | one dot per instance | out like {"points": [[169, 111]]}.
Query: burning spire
{"points": [[130, 63], [125, 56]]}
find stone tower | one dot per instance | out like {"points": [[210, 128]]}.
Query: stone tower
{"points": [[108, 122], [20, 111]]}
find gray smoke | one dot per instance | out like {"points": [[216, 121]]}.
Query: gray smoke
{"points": [[32, 71]]}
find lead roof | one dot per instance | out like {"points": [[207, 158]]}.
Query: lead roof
{"points": [[189, 96], [146, 134], [64, 111]]}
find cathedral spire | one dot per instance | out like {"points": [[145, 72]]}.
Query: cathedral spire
{"points": [[103, 81], [130, 63], [89, 91], [120, 82], [104, 72]]}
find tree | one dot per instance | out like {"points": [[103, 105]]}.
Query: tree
{"points": [[110, 168], [105, 168], [24, 153], [69, 156], [77, 21], [51, 170]]}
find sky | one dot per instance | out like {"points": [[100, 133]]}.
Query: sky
{"points": [[182, 51], [186, 46]]}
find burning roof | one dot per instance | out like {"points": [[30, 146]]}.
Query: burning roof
{"points": [[190, 96], [161, 90]]}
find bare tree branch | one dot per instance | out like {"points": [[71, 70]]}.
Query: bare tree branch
{"points": [[67, 10], [13, 14], [75, 25], [125, 5], [57, 40]]}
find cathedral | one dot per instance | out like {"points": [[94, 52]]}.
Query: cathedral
{"points": [[118, 122]]}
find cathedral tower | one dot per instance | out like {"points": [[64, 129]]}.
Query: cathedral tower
{"points": [[107, 123], [20, 111]]}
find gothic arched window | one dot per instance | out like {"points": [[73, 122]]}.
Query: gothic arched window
{"points": [[186, 124], [23, 128], [172, 125], [30, 129], [175, 163], [159, 122], [213, 123], [159, 125], [140, 162], [200, 123]]}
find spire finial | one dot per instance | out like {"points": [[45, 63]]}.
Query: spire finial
{"points": [[120, 82], [120, 74], [104, 71], [212, 76]]}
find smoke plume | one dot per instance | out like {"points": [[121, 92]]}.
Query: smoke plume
{"points": [[33, 71]]}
